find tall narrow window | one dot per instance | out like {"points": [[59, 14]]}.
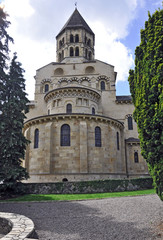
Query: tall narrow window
{"points": [[46, 88], [102, 85], [76, 51], [130, 123], [71, 38], [97, 137], [65, 135], [76, 38], [93, 111], [62, 54], [136, 157], [86, 53], [117, 140], [90, 56], [68, 108], [71, 52], [36, 138]]}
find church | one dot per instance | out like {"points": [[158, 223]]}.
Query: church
{"points": [[79, 130]]}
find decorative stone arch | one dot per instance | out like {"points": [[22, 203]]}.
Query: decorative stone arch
{"points": [[74, 79], [89, 69], [85, 80], [45, 82], [106, 81], [62, 80], [58, 71]]}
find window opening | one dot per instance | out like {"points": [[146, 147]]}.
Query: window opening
{"points": [[117, 140], [36, 138], [65, 135], [136, 157], [130, 123], [97, 137], [102, 85], [69, 108]]}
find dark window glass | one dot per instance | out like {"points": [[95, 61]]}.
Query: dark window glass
{"points": [[69, 108], [36, 138], [90, 55], [97, 137], [71, 52], [102, 85], [130, 123], [65, 135], [86, 53], [77, 51], [93, 111], [46, 87], [117, 140], [71, 38], [77, 38], [62, 55], [136, 157]]}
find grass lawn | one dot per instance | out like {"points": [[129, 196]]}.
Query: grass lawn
{"points": [[70, 197]]}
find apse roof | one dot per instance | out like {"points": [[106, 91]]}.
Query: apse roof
{"points": [[76, 21]]}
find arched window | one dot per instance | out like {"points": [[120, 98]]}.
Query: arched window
{"points": [[89, 42], [65, 135], [90, 56], [102, 85], [130, 123], [76, 38], [46, 88], [86, 53], [62, 54], [93, 111], [69, 108], [136, 157], [71, 52], [97, 137], [60, 44], [85, 39], [76, 51], [36, 138], [59, 57], [71, 38], [63, 40], [117, 140]]}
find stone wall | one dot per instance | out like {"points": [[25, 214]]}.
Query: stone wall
{"points": [[89, 187]]}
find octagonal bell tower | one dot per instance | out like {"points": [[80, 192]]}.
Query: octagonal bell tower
{"points": [[75, 41]]}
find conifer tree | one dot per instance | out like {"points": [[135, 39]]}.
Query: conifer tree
{"points": [[146, 85], [13, 106]]}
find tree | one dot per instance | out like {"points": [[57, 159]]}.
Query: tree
{"points": [[146, 86], [13, 106]]}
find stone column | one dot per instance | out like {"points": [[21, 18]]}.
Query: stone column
{"points": [[48, 147], [83, 147]]}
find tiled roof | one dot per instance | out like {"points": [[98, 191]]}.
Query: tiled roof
{"points": [[76, 21]]}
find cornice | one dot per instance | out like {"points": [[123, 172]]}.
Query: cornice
{"points": [[72, 92], [58, 117]]}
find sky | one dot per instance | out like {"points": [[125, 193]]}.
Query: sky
{"points": [[116, 24]]}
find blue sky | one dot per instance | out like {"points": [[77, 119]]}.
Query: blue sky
{"points": [[116, 24]]}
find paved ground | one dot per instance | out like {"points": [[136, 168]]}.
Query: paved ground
{"points": [[125, 218]]}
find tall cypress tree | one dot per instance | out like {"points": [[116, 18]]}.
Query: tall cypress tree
{"points": [[146, 85], [13, 106]]}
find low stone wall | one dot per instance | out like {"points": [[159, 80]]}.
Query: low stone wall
{"points": [[89, 186]]}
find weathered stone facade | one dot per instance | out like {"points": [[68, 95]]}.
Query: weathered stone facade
{"points": [[79, 129]]}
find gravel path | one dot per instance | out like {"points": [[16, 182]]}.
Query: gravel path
{"points": [[124, 218]]}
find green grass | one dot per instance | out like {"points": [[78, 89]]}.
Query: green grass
{"points": [[70, 197]]}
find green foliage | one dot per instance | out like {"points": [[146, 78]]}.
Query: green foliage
{"points": [[146, 84], [13, 105]]}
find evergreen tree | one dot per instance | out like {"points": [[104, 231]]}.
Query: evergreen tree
{"points": [[13, 106], [146, 85]]}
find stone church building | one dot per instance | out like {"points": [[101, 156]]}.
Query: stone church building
{"points": [[79, 129]]}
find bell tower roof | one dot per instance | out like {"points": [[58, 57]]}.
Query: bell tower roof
{"points": [[76, 21]]}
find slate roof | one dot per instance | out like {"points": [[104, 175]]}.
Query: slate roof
{"points": [[76, 21], [132, 140], [124, 98]]}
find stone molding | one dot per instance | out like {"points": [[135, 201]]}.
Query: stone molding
{"points": [[57, 117], [71, 92]]}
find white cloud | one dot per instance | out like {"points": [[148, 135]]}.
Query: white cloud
{"points": [[36, 23]]}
